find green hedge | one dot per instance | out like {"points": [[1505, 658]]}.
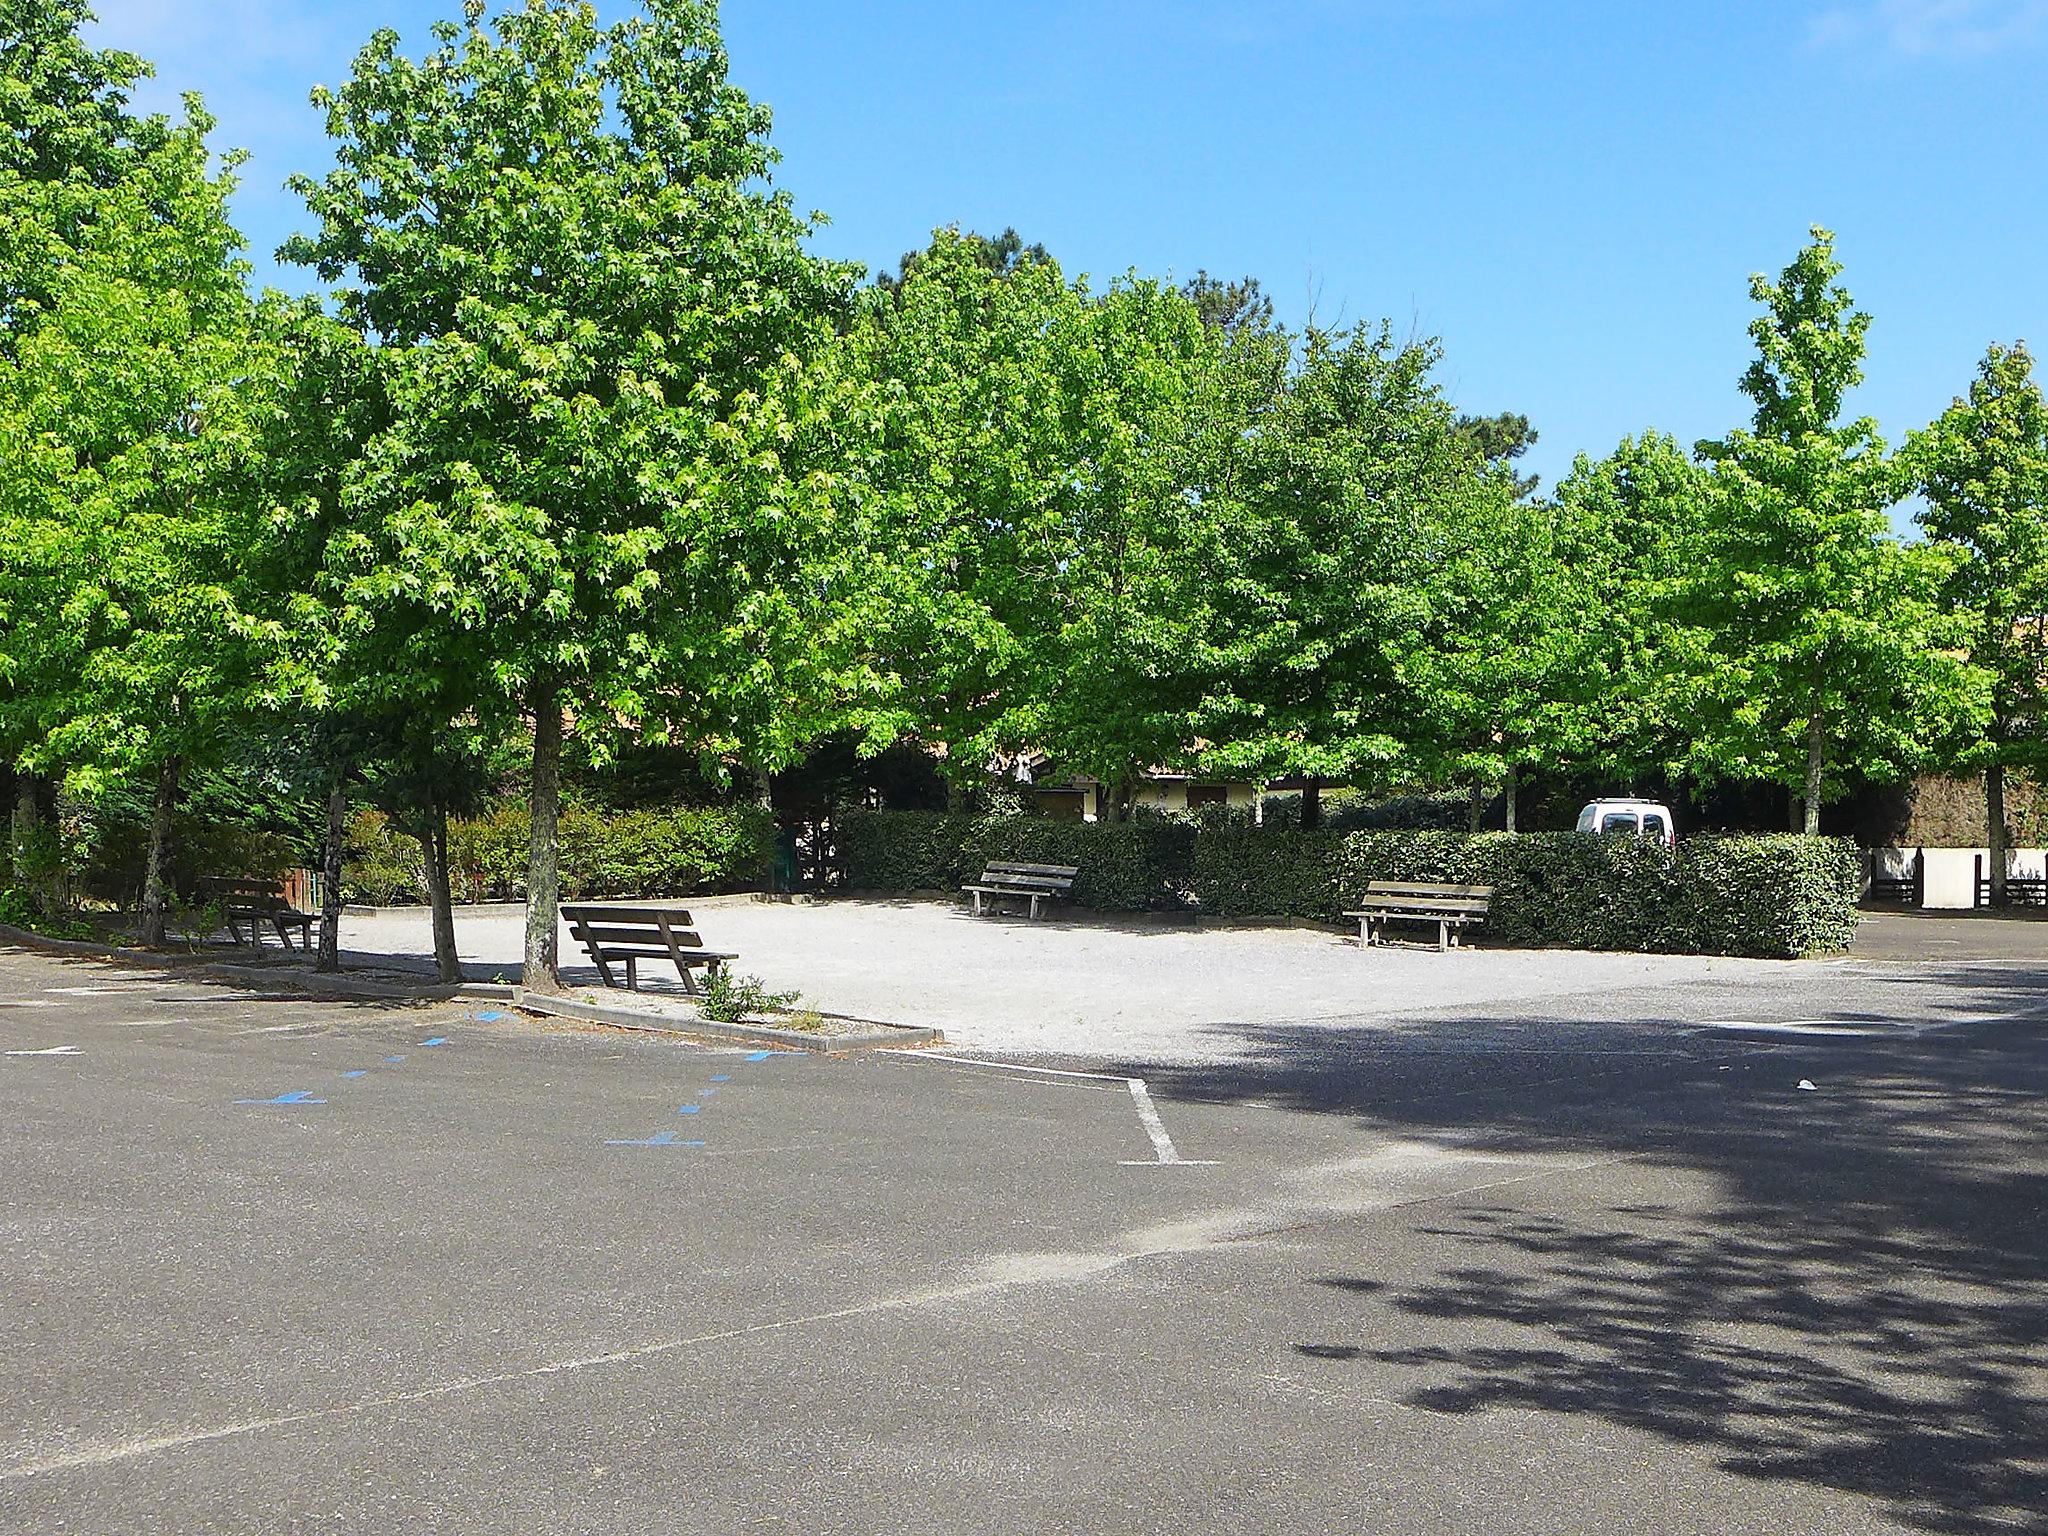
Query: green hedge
{"points": [[1771, 896], [1125, 867], [669, 852]]}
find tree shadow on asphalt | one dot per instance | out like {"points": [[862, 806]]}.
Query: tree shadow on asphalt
{"points": [[1849, 1291], [222, 972]]}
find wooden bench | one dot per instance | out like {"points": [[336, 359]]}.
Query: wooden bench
{"points": [[1023, 882], [256, 902], [633, 934], [1452, 908]]}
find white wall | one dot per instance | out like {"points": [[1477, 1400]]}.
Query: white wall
{"points": [[1952, 872]]}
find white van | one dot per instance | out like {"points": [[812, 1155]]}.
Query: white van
{"points": [[1629, 818]]}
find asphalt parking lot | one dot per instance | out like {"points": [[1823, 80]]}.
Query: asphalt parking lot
{"points": [[1556, 1265]]}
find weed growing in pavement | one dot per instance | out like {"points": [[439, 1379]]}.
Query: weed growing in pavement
{"points": [[729, 998]]}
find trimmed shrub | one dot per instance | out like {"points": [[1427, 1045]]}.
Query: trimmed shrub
{"points": [[645, 853], [1125, 866], [1772, 895], [1769, 896]]}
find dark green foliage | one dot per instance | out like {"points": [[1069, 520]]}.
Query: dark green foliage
{"points": [[25, 909], [1777, 895], [201, 846], [644, 853], [1125, 866]]}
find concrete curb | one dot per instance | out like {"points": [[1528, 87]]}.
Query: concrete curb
{"points": [[879, 1036], [266, 978]]}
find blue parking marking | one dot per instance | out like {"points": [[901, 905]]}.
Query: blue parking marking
{"points": [[658, 1139], [721, 1077], [391, 1059], [707, 1093], [488, 1018], [689, 1109], [437, 1040], [359, 1072], [300, 1097], [760, 1055]]}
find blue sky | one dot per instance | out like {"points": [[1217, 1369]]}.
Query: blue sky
{"points": [[1571, 195]]}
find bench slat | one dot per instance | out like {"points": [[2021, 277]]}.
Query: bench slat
{"points": [[1059, 871], [678, 917], [1025, 883], [645, 952], [1422, 904], [1420, 889], [649, 934]]}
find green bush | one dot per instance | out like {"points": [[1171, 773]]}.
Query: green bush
{"points": [[200, 847], [1772, 895], [1125, 867], [639, 853], [380, 863], [1769, 896], [24, 909]]}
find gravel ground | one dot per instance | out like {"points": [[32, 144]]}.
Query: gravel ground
{"points": [[1084, 985]]}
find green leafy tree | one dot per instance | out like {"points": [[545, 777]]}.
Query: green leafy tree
{"points": [[1983, 467], [66, 137], [967, 465], [1627, 529], [1496, 671], [1822, 636], [1334, 502], [593, 318], [1120, 587], [137, 637]]}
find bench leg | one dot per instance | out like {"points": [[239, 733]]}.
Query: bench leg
{"points": [[1034, 906], [603, 970], [1443, 935], [977, 902], [632, 974]]}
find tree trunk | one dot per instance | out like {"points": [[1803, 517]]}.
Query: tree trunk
{"points": [[156, 872], [1311, 805], [764, 797], [23, 831], [1513, 787], [1476, 806], [328, 957], [544, 853], [447, 965], [1814, 763], [956, 797], [1994, 826]]}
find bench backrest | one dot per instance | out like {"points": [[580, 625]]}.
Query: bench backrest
{"points": [[238, 892], [1031, 877], [1430, 894], [606, 925]]}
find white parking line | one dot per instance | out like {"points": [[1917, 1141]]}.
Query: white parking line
{"points": [[1165, 1154]]}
